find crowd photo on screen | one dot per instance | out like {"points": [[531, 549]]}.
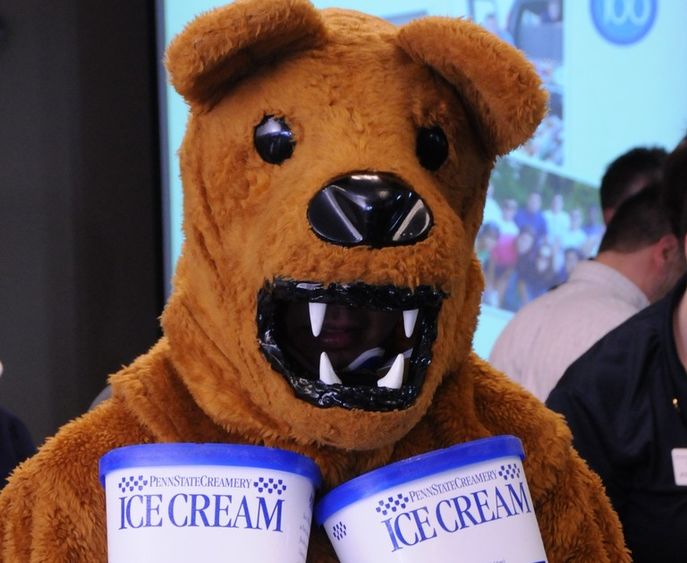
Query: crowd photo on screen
{"points": [[530, 240]]}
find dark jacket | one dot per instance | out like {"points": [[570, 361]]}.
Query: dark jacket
{"points": [[15, 444], [625, 401]]}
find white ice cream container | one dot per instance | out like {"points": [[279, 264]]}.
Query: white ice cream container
{"points": [[207, 502], [467, 503]]}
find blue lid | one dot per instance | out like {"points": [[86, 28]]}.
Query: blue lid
{"points": [[156, 455], [415, 468]]}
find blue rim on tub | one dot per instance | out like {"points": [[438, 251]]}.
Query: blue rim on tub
{"points": [[414, 468], [235, 455]]}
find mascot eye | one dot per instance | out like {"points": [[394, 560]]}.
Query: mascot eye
{"points": [[273, 140], [432, 147]]}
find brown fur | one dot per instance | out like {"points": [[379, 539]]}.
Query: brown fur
{"points": [[355, 90]]}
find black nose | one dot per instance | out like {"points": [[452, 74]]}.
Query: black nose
{"points": [[369, 209]]}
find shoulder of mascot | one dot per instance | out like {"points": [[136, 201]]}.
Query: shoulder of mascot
{"points": [[503, 407], [71, 456]]}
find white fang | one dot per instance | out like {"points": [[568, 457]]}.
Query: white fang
{"points": [[394, 377], [327, 373], [317, 312], [409, 318]]}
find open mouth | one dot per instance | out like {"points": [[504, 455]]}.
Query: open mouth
{"points": [[349, 345]]}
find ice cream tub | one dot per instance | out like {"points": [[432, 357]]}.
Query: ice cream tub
{"points": [[207, 502], [467, 503]]}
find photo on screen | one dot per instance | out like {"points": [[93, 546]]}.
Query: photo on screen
{"points": [[537, 226]]}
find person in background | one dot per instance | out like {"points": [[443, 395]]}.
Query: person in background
{"points": [[525, 247], [485, 242], [536, 274], [571, 258], [16, 444], [557, 223], [594, 227], [492, 210], [487, 238], [627, 174], [625, 401], [638, 262], [531, 216], [503, 256], [506, 222], [575, 236]]}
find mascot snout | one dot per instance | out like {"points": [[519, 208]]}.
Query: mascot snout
{"points": [[372, 209]]}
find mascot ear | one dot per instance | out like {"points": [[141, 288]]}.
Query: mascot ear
{"points": [[499, 86], [220, 47]]}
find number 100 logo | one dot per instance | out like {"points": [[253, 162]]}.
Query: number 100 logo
{"points": [[623, 21]]}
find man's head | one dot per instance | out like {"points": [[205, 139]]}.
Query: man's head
{"points": [[640, 243], [674, 188], [628, 174]]}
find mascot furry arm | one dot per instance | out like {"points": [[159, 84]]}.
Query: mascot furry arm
{"points": [[330, 159]]}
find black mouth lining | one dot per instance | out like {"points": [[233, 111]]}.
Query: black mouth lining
{"points": [[358, 295]]}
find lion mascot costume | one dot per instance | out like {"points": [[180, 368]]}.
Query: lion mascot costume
{"points": [[334, 168]]}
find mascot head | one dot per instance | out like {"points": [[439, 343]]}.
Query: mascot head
{"points": [[334, 170]]}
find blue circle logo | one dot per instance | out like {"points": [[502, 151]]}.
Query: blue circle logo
{"points": [[623, 21]]}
